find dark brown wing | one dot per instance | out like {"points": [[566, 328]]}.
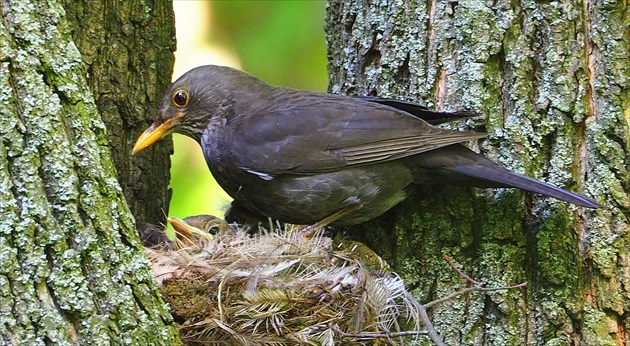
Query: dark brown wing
{"points": [[309, 133], [420, 111]]}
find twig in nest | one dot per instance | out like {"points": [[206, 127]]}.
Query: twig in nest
{"points": [[368, 335], [447, 258], [424, 317], [472, 289], [477, 286]]}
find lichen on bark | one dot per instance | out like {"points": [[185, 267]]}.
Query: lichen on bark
{"points": [[127, 50], [72, 270], [550, 82]]}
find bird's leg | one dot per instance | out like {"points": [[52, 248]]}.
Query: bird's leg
{"points": [[309, 230]]}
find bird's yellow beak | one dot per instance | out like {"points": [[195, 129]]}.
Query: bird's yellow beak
{"points": [[153, 133], [183, 227], [187, 233]]}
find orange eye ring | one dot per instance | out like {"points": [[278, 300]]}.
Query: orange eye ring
{"points": [[180, 98]]}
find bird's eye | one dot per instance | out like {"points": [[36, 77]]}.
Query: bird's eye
{"points": [[180, 98]]}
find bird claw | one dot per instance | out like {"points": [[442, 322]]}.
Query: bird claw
{"points": [[310, 230]]}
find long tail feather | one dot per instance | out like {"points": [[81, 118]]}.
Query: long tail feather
{"points": [[460, 165], [509, 179]]}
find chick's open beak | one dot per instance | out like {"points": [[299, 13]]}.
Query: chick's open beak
{"points": [[153, 133], [185, 229]]}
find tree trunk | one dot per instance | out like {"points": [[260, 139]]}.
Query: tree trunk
{"points": [[127, 47], [72, 270], [551, 81]]}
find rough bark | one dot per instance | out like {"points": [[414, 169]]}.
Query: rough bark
{"points": [[551, 80], [72, 270], [127, 49]]}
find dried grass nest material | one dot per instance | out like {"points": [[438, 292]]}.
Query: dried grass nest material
{"points": [[281, 288]]}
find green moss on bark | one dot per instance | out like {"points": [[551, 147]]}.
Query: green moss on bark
{"points": [[550, 80], [72, 268]]}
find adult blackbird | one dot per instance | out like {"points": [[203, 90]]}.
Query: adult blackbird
{"points": [[302, 157]]}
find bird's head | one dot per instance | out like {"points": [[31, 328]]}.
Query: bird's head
{"points": [[192, 101]]}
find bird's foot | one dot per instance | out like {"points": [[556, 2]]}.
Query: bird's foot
{"points": [[310, 230]]}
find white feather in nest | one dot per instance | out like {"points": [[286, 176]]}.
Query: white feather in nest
{"points": [[279, 288]]}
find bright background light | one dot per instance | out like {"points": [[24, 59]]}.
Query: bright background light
{"points": [[281, 42]]}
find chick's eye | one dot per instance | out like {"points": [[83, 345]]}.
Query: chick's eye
{"points": [[180, 98]]}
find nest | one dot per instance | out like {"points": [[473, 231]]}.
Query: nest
{"points": [[281, 288]]}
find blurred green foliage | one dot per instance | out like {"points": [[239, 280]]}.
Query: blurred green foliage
{"points": [[281, 42]]}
